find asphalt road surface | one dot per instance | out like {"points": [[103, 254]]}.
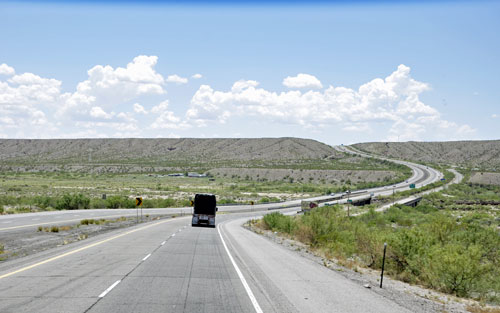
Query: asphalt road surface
{"points": [[169, 266]]}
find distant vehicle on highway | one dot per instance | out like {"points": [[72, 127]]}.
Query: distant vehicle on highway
{"points": [[205, 207], [307, 206]]}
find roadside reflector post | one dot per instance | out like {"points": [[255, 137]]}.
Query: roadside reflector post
{"points": [[383, 265]]}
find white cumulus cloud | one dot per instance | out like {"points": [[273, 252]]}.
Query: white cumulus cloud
{"points": [[197, 76], [166, 119], [139, 109], [393, 100], [107, 103], [302, 81], [23, 102], [108, 88], [28, 102], [98, 112], [176, 79], [6, 70]]}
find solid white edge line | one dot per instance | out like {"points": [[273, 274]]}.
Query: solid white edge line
{"points": [[105, 292], [242, 278], [146, 257]]}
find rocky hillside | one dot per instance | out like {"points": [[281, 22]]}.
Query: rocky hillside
{"points": [[141, 151], [480, 154]]}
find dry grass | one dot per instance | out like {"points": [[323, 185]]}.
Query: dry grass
{"points": [[482, 309]]}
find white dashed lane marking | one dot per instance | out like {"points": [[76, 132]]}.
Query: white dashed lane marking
{"points": [[105, 292]]}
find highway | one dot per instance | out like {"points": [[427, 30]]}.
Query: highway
{"points": [[168, 266], [19, 223]]}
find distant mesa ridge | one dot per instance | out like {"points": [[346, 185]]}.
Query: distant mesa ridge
{"points": [[483, 154], [163, 149]]}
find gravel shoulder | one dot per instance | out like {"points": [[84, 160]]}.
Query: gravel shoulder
{"points": [[29, 241]]}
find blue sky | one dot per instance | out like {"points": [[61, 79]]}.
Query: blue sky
{"points": [[371, 71]]}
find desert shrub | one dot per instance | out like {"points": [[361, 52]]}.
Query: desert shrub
{"points": [[115, 202], [90, 221], [264, 200], [434, 248], [454, 268], [73, 202], [45, 201], [54, 229], [97, 203], [277, 221], [168, 203], [408, 252], [225, 201]]}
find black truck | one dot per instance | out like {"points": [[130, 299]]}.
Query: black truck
{"points": [[205, 207]]}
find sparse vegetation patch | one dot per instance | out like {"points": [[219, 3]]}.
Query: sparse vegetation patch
{"points": [[433, 244]]}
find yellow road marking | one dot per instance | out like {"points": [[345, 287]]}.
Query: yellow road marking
{"points": [[73, 220], [81, 249]]}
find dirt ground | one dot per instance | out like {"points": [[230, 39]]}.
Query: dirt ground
{"points": [[485, 178], [29, 241], [313, 176]]}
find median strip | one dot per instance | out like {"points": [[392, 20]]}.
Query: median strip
{"points": [[58, 222]]}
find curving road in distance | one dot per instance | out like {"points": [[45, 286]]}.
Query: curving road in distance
{"points": [[168, 266]]}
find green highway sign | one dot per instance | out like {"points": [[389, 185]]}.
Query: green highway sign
{"points": [[412, 186], [350, 201]]}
